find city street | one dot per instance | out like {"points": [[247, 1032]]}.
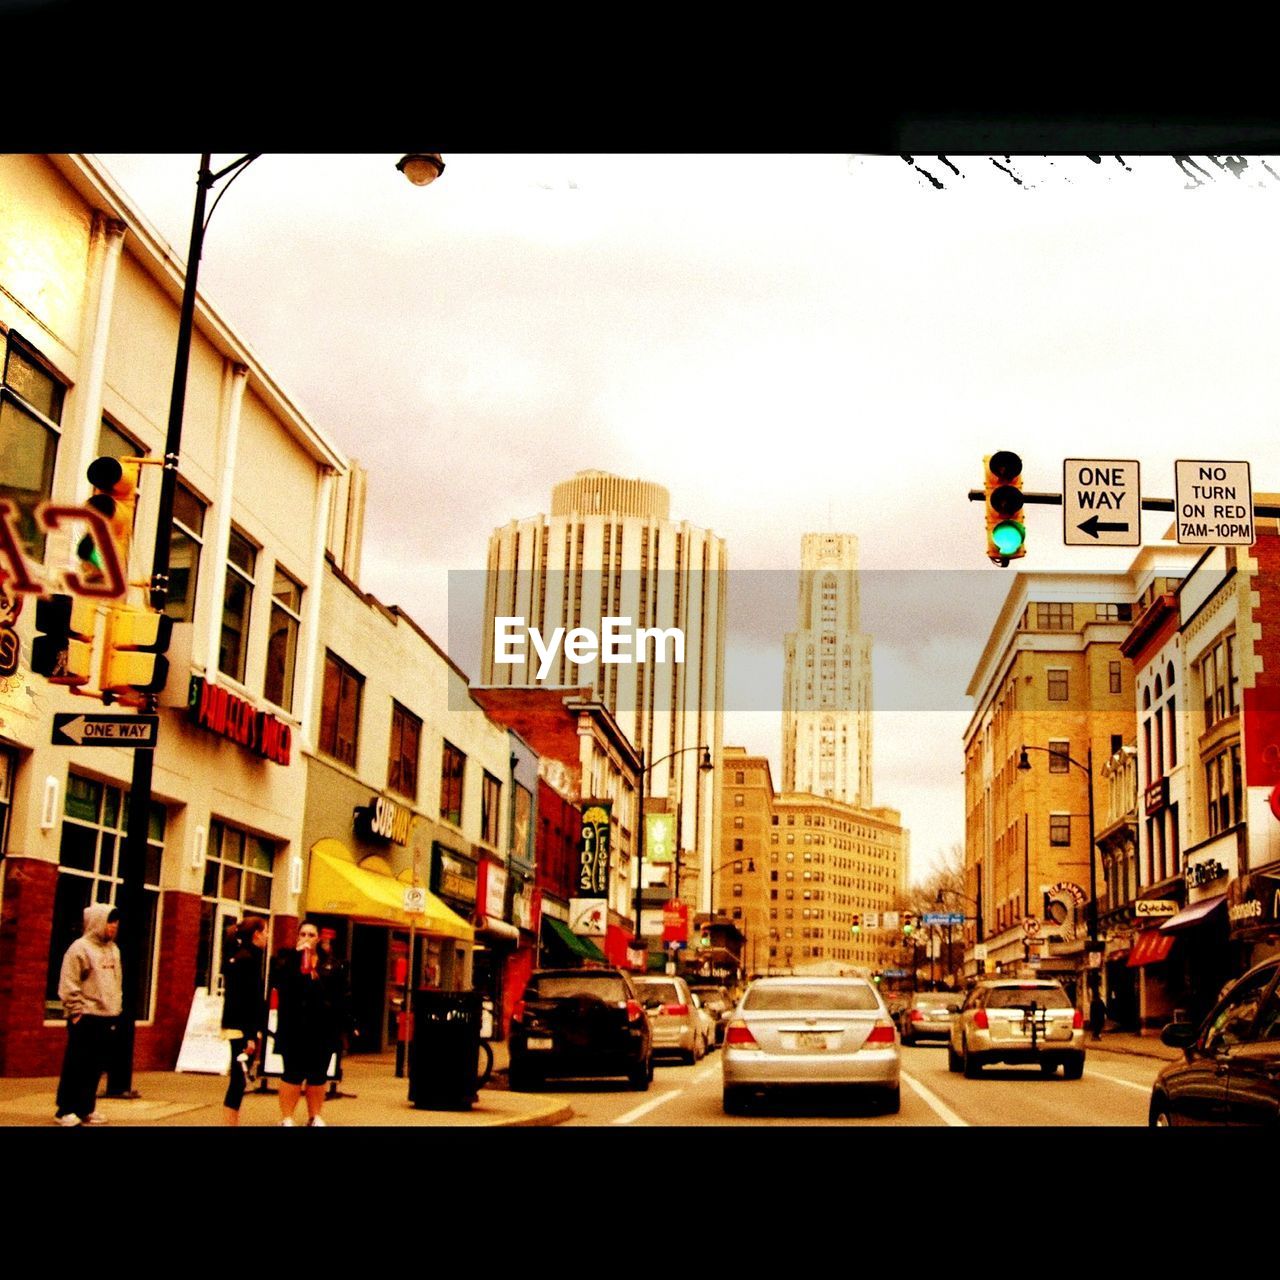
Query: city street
{"points": [[1114, 1092]]}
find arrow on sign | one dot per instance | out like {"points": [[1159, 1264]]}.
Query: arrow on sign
{"points": [[105, 731], [1093, 526]]}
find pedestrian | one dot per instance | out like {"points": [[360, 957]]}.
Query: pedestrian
{"points": [[91, 994], [312, 1013], [244, 1006], [1097, 1014]]}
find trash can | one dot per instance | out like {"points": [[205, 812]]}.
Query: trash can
{"points": [[445, 1050]]}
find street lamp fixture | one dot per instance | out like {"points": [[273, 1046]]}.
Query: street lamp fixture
{"points": [[704, 766], [1024, 765], [419, 169]]}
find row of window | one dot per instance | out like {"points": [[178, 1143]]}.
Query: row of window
{"points": [[31, 404]]}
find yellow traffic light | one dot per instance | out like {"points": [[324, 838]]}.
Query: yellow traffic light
{"points": [[133, 651], [115, 495], [62, 651], [1006, 530], [855, 924]]}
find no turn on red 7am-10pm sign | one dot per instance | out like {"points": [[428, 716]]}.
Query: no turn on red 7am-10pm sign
{"points": [[1214, 504]]}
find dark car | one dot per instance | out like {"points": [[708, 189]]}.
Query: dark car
{"points": [[928, 1016], [1230, 1073], [580, 1022]]}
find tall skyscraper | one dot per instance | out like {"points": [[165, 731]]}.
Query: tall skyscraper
{"points": [[826, 696], [609, 549]]}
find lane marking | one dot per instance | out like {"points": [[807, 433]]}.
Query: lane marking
{"points": [[707, 1073], [934, 1103], [645, 1108], [1128, 1084]]}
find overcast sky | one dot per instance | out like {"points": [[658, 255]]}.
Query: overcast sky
{"points": [[813, 342]]}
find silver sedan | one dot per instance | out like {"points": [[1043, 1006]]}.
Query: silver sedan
{"points": [[797, 1031]]}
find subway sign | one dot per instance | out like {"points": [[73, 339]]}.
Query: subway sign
{"points": [[213, 708], [384, 820]]}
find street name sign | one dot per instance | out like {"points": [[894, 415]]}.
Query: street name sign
{"points": [[943, 917], [1101, 502], [1214, 503], [72, 729]]}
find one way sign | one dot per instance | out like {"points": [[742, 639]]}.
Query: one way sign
{"points": [[1101, 503], [72, 730]]}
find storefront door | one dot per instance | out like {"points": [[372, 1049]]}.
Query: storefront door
{"points": [[369, 979]]}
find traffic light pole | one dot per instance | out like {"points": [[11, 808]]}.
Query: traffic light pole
{"points": [[131, 895]]}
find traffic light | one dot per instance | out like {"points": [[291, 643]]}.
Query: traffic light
{"points": [[115, 494], [133, 652], [1006, 530], [63, 649], [908, 923], [855, 924]]}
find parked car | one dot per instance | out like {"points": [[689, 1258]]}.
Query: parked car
{"points": [[928, 1016], [706, 1022], [1230, 1072], [796, 1031], [580, 1022], [717, 1001], [1018, 1020], [673, 1017]]}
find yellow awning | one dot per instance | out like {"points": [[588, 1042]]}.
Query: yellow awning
{"points": [[336, 886]]}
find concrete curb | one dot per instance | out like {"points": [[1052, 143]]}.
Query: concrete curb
{"points": [[1129, 1051], [551, 1116]]}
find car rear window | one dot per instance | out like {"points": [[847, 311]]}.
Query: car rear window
{"points": [[856, 996], [664, 991], [937, 1002], [605, 987], [1021, 996]]}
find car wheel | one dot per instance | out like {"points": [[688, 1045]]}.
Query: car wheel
{"points": [[1160, 1117], [690, 1056], [970, 1063], [1073, 1068], [1048, 1068], [734, 1101], [954, 1063], [907, 1040], [893, 1101], [640, 1076]]}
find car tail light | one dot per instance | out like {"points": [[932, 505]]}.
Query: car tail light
{"points": [[980, 1020], [1077, 1020], [634, 1011], [881, 1033], [517, 1013], [676, 1010], [915, 1016], [739, 1033]]}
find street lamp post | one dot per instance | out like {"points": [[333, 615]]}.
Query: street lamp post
{"points": [[419, 169], [704, 766], [976, 903], [1024, 765]]}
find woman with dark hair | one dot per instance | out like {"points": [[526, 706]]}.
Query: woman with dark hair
{"points": [[244, 1007], [312, 1012]]}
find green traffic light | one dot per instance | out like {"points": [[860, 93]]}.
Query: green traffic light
{"points": [[1008, 536]]}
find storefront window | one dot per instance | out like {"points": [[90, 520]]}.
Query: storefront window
{"points": [[238, 872], [94, 825]]}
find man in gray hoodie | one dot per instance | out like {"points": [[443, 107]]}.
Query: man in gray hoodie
{"points": [[90, 992]]}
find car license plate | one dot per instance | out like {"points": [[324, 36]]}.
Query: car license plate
{"points": [[811, 1040], [539, 1042]]}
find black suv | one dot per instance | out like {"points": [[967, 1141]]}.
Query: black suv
{"points": [[580, 1022]]}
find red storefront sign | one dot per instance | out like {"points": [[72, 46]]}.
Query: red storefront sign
{"points": [[215, 709], [675, 922]]}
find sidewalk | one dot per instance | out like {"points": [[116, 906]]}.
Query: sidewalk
{"points": [[370, 1095], [1146, 1045]]}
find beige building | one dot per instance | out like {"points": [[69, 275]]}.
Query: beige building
{"points": [[826, 693], [609, 549], [89, 300], [1052, 677], [797, 868]]}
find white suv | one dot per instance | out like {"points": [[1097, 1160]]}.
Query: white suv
{"points": [[1019, 1020]]}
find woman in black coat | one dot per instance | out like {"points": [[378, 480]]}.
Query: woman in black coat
{"points": [[244, 1006], [312, 1011]]}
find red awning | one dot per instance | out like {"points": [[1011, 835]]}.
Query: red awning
{"points": [[1197, 913], [1151, 947]]}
